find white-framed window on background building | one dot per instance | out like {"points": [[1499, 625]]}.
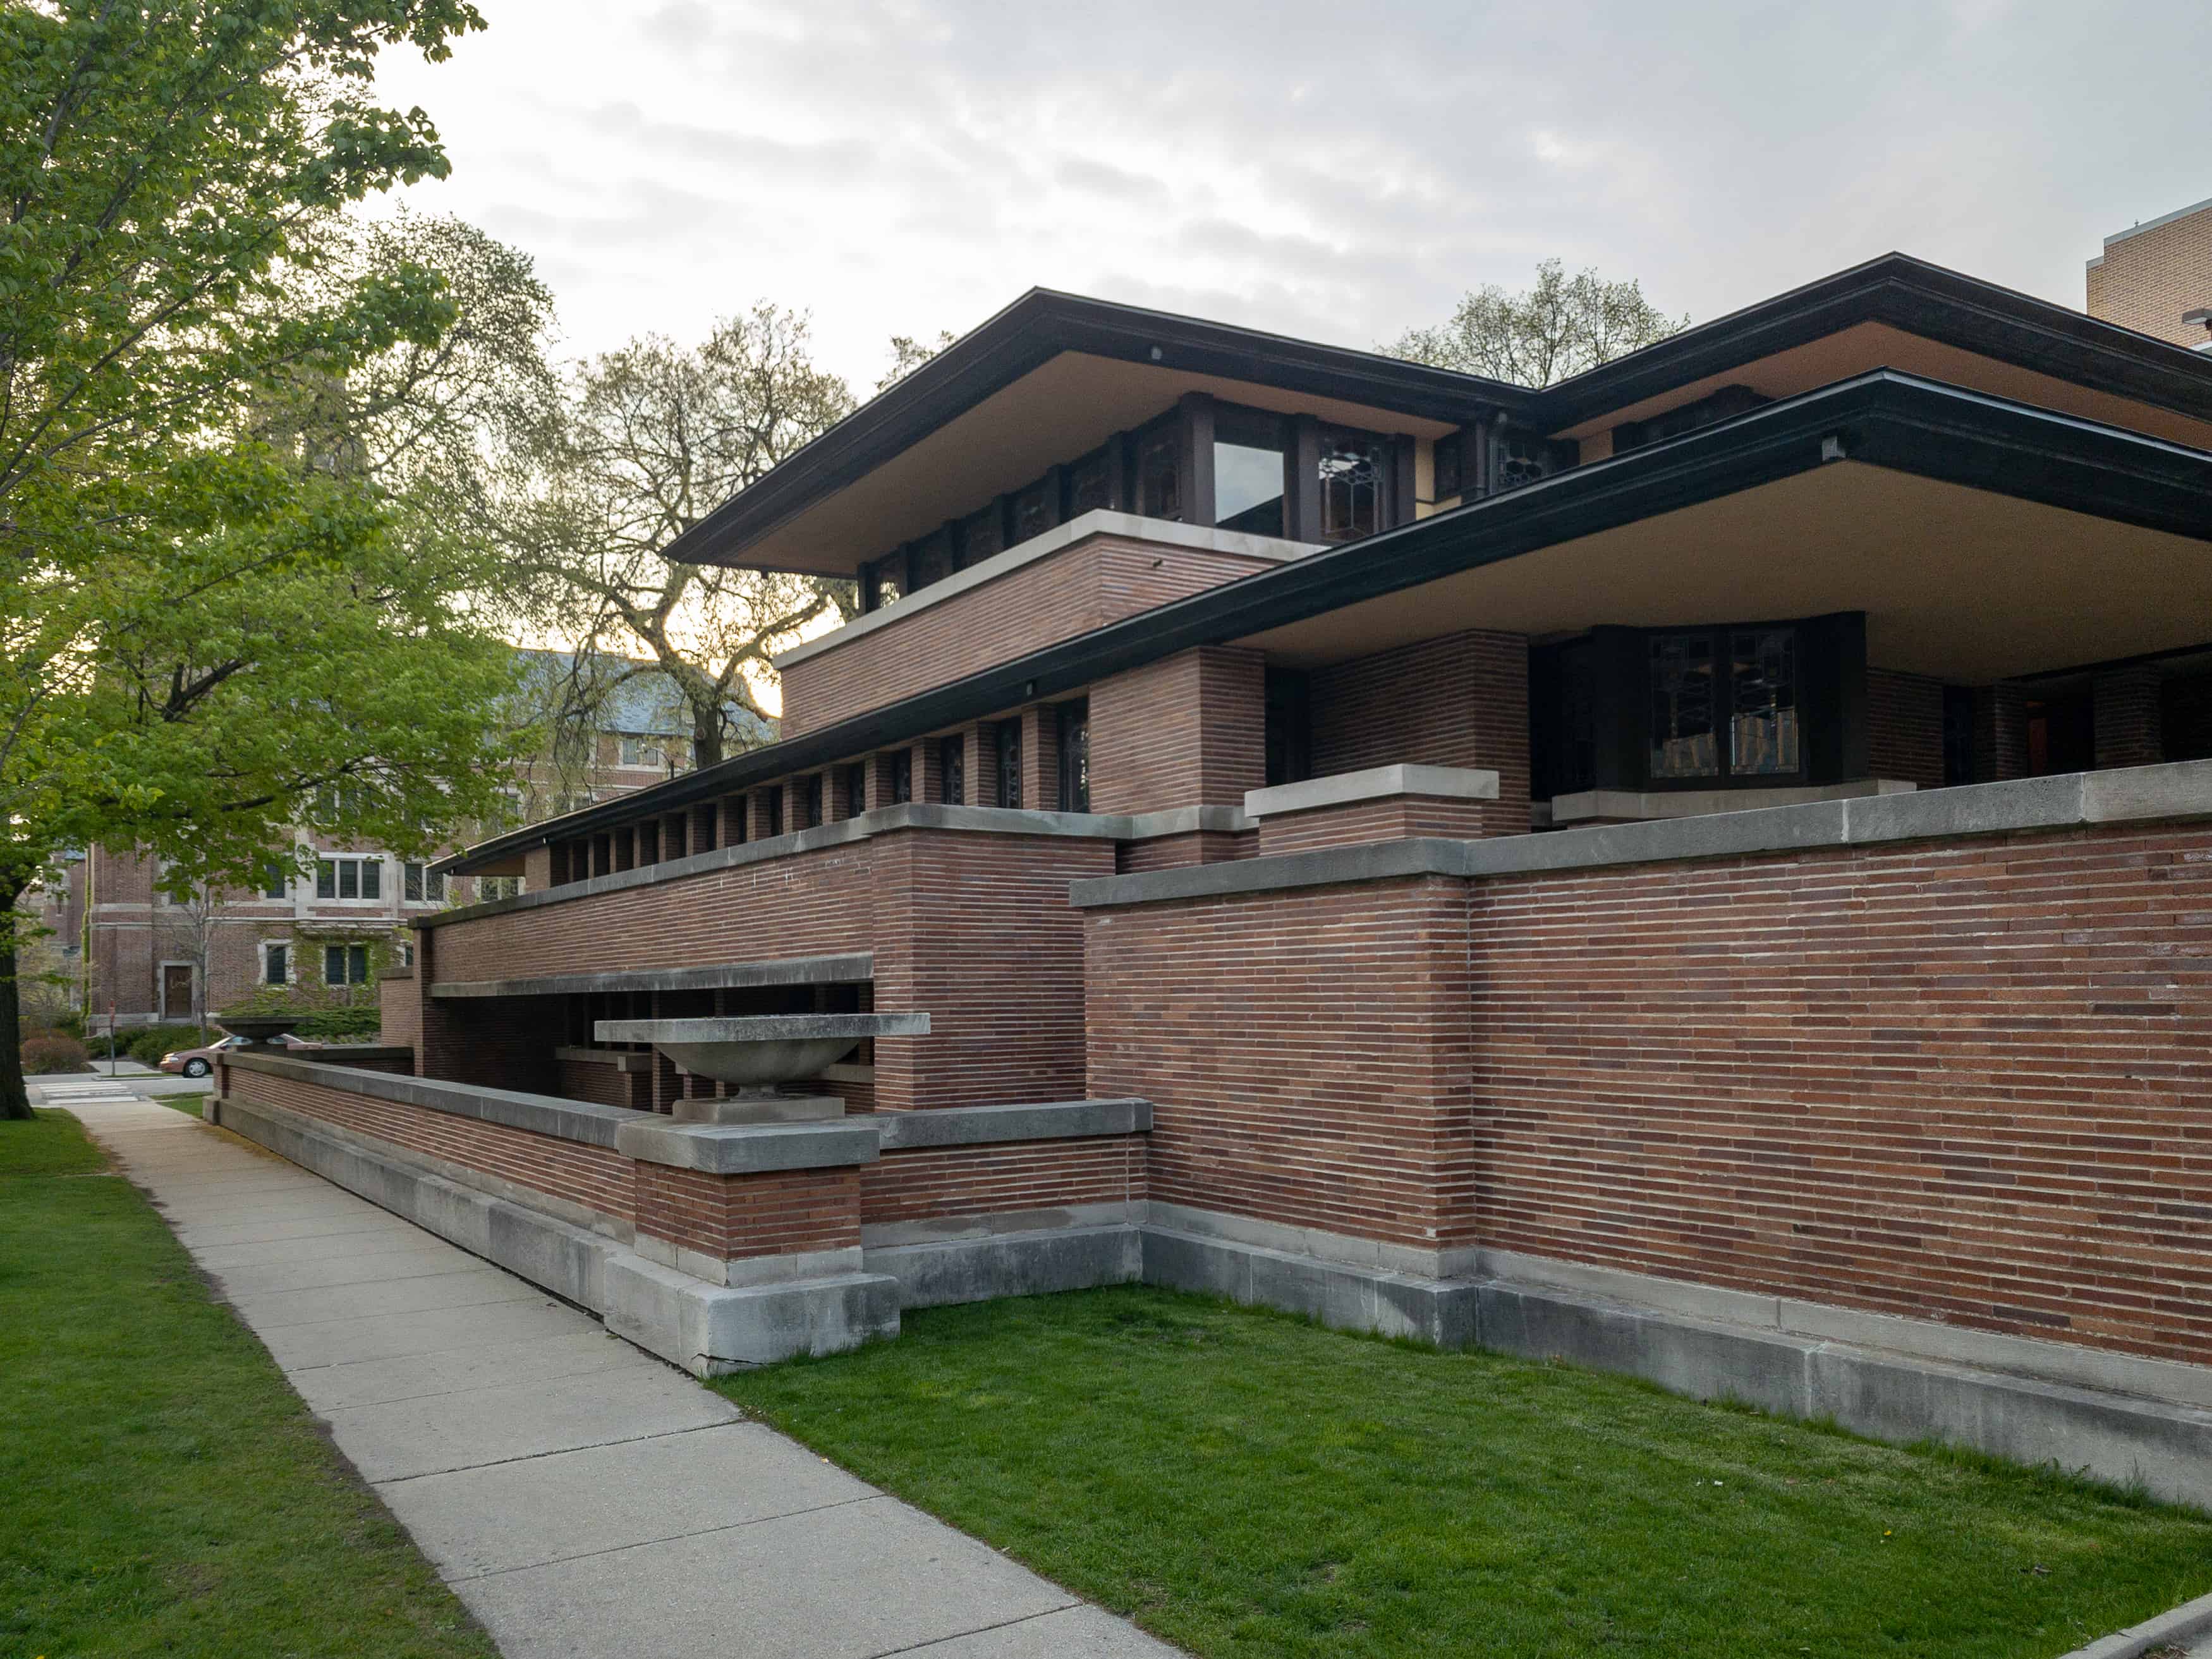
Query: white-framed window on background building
{"points": [[345, 965], [498, 887], [276, 962], [349, 878], [420, 884]]}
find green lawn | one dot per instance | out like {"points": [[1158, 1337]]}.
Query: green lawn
{"points": [[162, 1491], [188, 1104], [1247, 1483]]}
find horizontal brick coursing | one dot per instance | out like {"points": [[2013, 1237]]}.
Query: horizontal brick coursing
{"points": [[780, 1213], [1355, 821], [1173, 852], [1190, 730], [583, 1080], [1459, 699], [973, 929], [1086, 585], [596, 1177], [1306, 1053], [1963, 1081], [1905, 727], [930, 1183]]}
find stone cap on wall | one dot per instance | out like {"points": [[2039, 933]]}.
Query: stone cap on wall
{"points": [[1373, 783], [2179, 790], [580, 1120], [844, 968]]}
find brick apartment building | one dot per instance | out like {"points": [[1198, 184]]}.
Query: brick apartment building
{"points": [[2157, 278], [1704, 869], [144, 958]]}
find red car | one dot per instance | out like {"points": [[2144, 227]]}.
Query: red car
{"points": [[198, 1062]]}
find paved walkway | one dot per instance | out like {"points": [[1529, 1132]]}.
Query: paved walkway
{"points": [[583, 1498]]}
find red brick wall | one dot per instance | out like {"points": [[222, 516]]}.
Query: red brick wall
{"points": [[399, 997], [579, 1080], [1188, 729], [1306, 1053], [1460, 700], [2125, 707], [596, 1177], [782, 1212], [1171, 852], [926, 1183], [1905, 727], [1965, 1081], [1081, 588], [974, 930], [1394, 819]]}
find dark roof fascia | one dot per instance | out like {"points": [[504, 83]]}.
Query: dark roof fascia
{"points": [[1031, 331], [1884, 417], [1911, 295]]}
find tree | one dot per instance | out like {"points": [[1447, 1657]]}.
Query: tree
{"points": [[650, 439], [1560, 327], [211, 627], [909, 354]]}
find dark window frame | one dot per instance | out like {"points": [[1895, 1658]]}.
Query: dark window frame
{"points": [[1072, 722]]}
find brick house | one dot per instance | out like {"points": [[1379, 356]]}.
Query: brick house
{"points": [[143, 958], [1704, 869]]}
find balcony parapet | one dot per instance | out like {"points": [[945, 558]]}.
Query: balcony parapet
{"points": [[883, 820], [2179, 790]]}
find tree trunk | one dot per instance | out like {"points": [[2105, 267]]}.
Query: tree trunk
{"points": [[15, 1098], [705, 737]]}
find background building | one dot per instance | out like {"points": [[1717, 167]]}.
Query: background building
{"points": [[137, 954], [2157, 278]]}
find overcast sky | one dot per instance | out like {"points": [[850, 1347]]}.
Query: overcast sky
{"points": [[1339, 172]]}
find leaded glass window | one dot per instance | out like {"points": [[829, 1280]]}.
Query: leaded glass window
{"points": [[1684, 744]]}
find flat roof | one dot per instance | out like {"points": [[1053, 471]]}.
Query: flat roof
{"points": [[2119, 495]]}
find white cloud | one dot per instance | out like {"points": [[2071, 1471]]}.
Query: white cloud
{"points": [[1321, 169]]}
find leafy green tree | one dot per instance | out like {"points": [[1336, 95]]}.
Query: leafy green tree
{"points": [[1559, 327], [649, 440], [215, 622]]}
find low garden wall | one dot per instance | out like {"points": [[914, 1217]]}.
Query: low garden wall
{"points": [[1944, 1055]]}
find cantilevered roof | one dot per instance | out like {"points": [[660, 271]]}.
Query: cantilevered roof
{"points": [[1981, 535], [1049, 378], [1899, 294]]}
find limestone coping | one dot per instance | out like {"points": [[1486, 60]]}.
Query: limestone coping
{"points": [[1639, 804], [2179, 790], [1375, 783], [850, 967], [747, 1148], [546, 1115], [760, 1027], [972, 1126], [1099, 521]]}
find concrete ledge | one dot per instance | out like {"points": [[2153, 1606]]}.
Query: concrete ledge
{"points": [[706, 1328], [2177, 1628], [580, 1120], [848, 968], [712, 1330], [1099, 521], [1694, 803], [934, 1273], [971, 1126], [1375, 783], [1430, 1310], [2178, 790], [748, 1148]]}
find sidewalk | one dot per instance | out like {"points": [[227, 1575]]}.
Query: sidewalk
{"points": [[581, 1497]]}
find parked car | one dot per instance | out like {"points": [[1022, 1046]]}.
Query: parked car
{"points": [[198, 1062]]}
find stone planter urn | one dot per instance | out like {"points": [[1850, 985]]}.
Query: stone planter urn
{"points": [[259, 1031], [756, 1053]]}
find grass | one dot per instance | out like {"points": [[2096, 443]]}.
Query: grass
{"points": [[188, 1104], [166, 1492], [1246, 1484]]}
